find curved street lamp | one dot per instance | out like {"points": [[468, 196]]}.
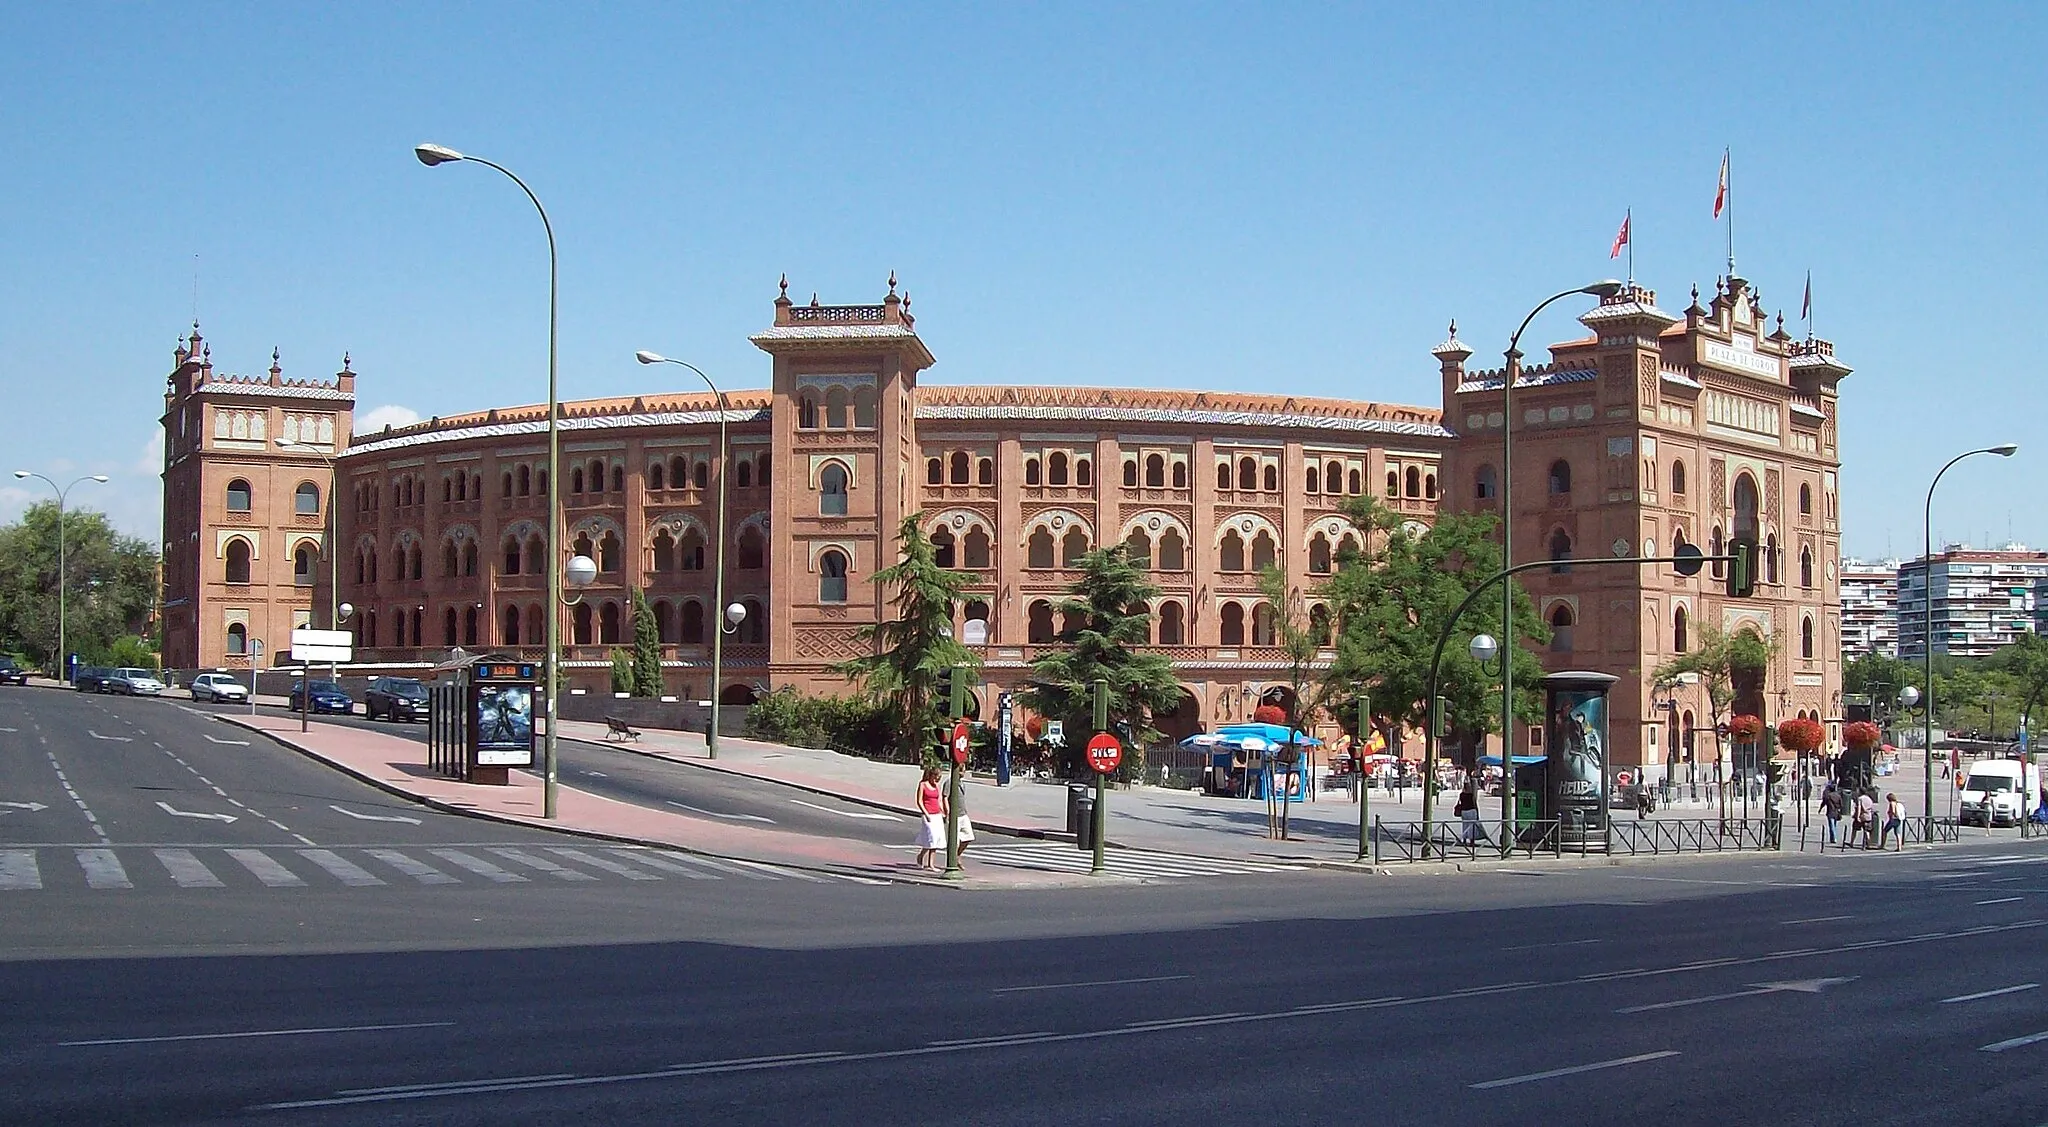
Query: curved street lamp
{"points": [[432, 155], [2003, 450], [63, 658], [718, 572]]}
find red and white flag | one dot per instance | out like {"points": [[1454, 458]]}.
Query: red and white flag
{"points": [[1620, 237], [1721, 193]]}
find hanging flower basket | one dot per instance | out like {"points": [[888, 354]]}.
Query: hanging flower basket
{"points": [[1862, 735], [1801, 736], [1269, 714], [1746, 728]]}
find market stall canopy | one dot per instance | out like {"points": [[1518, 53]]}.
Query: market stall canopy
{"points": [[1272, 733], [1520, 760]]}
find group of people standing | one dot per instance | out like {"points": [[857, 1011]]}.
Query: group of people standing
{"points": [[933, 803], [1862, 811]]}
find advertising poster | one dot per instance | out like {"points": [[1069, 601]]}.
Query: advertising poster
{"points": [[504, 725], [1577, 736]]}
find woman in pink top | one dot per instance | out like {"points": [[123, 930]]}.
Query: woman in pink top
{"points": [[931, 832]]}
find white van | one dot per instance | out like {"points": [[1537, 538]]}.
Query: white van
{"points": [[1999, 792]]}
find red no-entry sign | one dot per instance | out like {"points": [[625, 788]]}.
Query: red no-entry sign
{"points": [[1104, 753], [960, 743]]}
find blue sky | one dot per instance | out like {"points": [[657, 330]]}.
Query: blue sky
{"points": [[1254, 197]]}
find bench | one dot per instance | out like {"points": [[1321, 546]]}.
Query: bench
{"points": [[615, 727]]}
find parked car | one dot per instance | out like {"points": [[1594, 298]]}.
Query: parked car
{"points": [[396, 698], [133, 682], [12, 674], [327, 697], [90, 678], [219, 687]]}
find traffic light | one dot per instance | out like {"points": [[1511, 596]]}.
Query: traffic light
{"points": [[1742, 569]]}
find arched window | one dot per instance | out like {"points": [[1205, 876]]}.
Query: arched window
{"points": [[692, 631], [306, 500], [1333, 477], [526, 481], [451, 560], [1172, 624], [1056, 468], [576, 479], [1771, 559], [579, 624], [753, 550], [1319, 555], [302, 565], [1806, 567], [608, 553], [743, 473], [1560, 478], [1561, 629], [237, 570], [1247, 474], [413, 561], [1745, 507], [1714, 549], [1414, 481], [1271, 479], [1173, 552], [1084, 474], [1038, 548], [832, 578], [1130, 473], [1155, 471], [1262, 624], [664, 622], [1354, 483], [1347, 548], [700, 472], [864, 408], [1805, 500], [1485, 484], [447, 489], [1223, 475], [678, 472], [1678, 632], [1180, 475], [959, 467], [657, 475], [934, 472], [239, 497], [508, 629], [1313, 481], [754, 627], [690, 551], [985, 472], [469, 557], [608, 624], [832, 490], [1073, 546], [1678, 477], [1231, 557], [942, 548], [1393, 483], [807, 411], [238, 638], [1429, 487], [469, 624], [835, 408], [1232, 627], [979, 551], [1038, 628], [536, 554], [1560, 549], [1263, 551], [505, 487], [540, 482], [1806, 637], [664, 551], [1031, 471], [511, 557], [448, 635], [1138, 546]]}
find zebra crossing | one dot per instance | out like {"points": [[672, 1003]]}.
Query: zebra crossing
{"points": [[113, 868], [1056, 857]]}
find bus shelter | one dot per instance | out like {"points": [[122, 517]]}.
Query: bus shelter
{"points": [[480, 721]]}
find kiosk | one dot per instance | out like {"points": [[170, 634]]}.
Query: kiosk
{"points": [[1575, 760], [480, 725]]}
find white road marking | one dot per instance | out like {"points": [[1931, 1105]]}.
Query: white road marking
{"points": [[254, 1033], [453, 1085], [344, 870], [477, 865], [1560, 943], [266, 870], [1992, 993], [663, 862], [2016, 1042], [103, 869], [373, 817], [2000, 900], [10, 729], [187, 869], [175, 813], [1575, 1069], [110, 739], [1815, 920], [716, 814], [230, 743], [1802, 986], [597, 862], [417, 870], [541, 863], [849, 813], [18, 870], [777, 872], [31, 807], [1104, 982]]}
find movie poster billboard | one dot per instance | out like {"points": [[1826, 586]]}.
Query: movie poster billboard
{"points": [[504, 725], [1575, 733]]}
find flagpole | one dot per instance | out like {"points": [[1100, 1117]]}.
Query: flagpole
{"points": [[1729, 177], [1628, 220]]}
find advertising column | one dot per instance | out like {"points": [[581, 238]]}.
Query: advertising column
{"points": [[1575, 740]]}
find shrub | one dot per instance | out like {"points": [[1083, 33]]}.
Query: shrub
{"points": [[845, 724]]}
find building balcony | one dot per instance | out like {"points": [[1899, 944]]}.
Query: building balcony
{"points": [[1154, 495]]}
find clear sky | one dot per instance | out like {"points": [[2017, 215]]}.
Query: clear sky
{"points": [[1257, 197]]}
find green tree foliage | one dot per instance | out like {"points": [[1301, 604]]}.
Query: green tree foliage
{"points": [[2024, 664], [646, 649], [854, 725], [1108, 619], [1715, 660], [622, 671], [1392, 600], [914, 650], [109, 585]]}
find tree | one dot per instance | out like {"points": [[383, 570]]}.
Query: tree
{"points": [[914, 651], [109, 585], [622, 671], [2025, 664], [1108, 625], [1391, 602], [646, 649], [1715, 661], [1300, 644]]}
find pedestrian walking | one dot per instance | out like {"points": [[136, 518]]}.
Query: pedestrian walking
{"points": [[1831, 809], [1467, 809], [931, 830], [1894, 821], [1865, 820], [965, 825]]}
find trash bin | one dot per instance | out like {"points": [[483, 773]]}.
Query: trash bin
{"points": [[1084, 822], [1076, 795]]}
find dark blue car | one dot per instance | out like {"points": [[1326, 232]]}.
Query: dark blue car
{"points": [[327, 697]]}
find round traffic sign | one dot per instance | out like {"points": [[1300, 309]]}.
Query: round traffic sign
{"points": [[1104, 753], [960, 743]]}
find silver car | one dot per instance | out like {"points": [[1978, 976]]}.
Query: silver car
{"points": [[219, 687], [134, 683]]}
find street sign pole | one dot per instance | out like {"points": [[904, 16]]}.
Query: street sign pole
{"points": [[1358, 770], [1095, 868], [957, 749], [255, 663]]}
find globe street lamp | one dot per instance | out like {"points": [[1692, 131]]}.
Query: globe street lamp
{"points": [[63, 656], [432, 155], [2003, 450], [1602, 289], [718, 565]]}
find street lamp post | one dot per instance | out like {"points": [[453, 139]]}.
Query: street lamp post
{"points": [[63, 655], [718, 574], [1605, 288], [2003, 450], [431, 155]]}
